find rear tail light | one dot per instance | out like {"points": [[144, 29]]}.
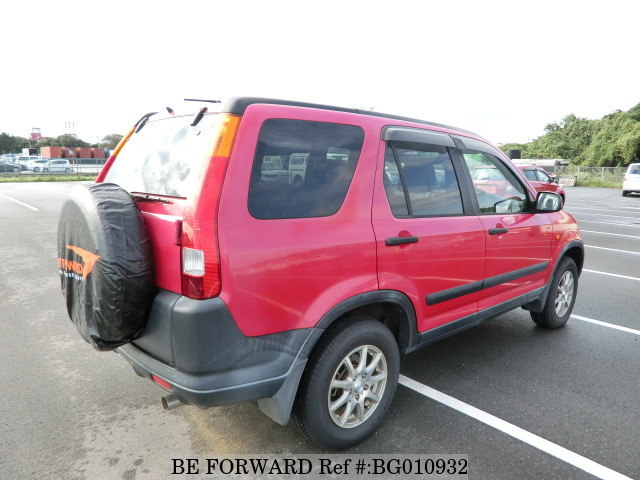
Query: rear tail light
{"points": [[200, 254]]}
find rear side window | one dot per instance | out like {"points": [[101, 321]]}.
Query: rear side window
{"points": [[165, 156], [634, 170], [302, 168], [425, 174]]}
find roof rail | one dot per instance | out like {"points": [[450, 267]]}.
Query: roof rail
{"points": [[238, 105]]}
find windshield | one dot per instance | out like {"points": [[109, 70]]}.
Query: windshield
{"points": [[164, 157]]}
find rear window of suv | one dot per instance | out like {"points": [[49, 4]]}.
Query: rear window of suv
{"points": [[165, 156], [302, 168]]}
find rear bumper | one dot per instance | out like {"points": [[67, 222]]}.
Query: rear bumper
{"points": [[197, 348]]}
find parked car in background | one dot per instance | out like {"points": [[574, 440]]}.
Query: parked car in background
{"points": [[7, 166], [631, 180], [36, 164], [59, 165], [541, 180], [9, 157]]}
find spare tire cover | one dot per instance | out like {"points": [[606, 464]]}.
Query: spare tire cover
{"points": [[105, 264]]}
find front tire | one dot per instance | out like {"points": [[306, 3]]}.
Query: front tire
{"points": [[624, 193], [45, 170], [561, 298], [349, 383]]}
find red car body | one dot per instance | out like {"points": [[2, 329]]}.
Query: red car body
{"points": [[295, 276]]}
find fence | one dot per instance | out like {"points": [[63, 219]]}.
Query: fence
{"points": [[595, 176], [81, 168]]}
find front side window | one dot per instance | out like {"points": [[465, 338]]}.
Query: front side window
{"points": [[531, 175], [425, 172], [302, 168], [543, 177], [495, 186]]}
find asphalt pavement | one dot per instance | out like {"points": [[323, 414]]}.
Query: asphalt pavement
{"points": [[520, 401]]}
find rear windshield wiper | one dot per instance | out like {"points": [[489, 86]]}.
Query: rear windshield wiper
{"points": [[149, 198]]}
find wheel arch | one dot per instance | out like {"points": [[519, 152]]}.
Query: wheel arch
{"points": [[573, 249], [391, 307]]}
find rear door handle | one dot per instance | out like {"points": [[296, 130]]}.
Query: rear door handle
{"points": [[497, 231], [391, 241]]}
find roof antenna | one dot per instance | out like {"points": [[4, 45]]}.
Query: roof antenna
{"points": [[201, 100]]}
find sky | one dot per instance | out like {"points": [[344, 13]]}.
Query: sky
{"points": [[501, 69]]}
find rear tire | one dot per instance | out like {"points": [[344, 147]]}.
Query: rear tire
{"points": [[45, 170], [68, 170], [36, 169], [561, 297], [624, 193], [337, 405]]}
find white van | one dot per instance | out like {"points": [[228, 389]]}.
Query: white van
{"points": [[298, 167]]}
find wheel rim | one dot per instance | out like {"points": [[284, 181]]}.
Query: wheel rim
{"points": [[564, 295], [357, 386]]}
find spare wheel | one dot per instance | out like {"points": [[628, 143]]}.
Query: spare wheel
{"points": [[105, 264]]}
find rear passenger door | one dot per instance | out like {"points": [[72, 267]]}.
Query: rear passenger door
{"points": [[295, 217], [430, 243]]}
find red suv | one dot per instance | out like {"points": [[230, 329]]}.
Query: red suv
{"points": [[541, 180], [289, 253]]}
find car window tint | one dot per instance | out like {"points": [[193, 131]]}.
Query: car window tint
{"points": [[531, 175], [302, 168], [393, 185], [429, 178], [499, 192]]}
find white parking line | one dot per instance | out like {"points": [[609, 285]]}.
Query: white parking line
{"points": [[18, 201], [603, 215], [613, 249], [609, 233], [611, 274], [581, 220], [535, 441], [605, 324]]}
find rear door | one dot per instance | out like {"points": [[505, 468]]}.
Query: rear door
{"points": [[294, 246], [518, 241], [430, 243]]}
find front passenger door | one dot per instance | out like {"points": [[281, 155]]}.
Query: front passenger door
{"points": [[518, 241]]}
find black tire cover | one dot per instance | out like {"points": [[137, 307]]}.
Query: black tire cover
{"points": [[105, 264]]}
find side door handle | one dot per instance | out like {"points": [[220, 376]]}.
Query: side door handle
{"points": [[497, 231], [391, 241]]}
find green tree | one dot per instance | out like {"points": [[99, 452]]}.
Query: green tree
{"points": [[12, 144], [110, 141]]}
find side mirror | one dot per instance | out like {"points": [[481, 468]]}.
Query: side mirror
{"points": [[555, 180], [509, 205], [548, 202]]}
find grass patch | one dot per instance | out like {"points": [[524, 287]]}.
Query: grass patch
{"points": [[46, 178], [596, 182]]}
